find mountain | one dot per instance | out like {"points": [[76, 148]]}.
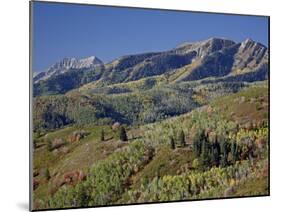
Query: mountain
{"points": [[218, 59], [195, 117], [205, 47], [235, 59], [68, 64], [134, 67], [214, 57]]}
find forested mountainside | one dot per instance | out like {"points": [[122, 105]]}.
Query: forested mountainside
{"points": [[188, 123]]}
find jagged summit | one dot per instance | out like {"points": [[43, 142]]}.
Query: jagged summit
{"points": [[67, 64], [205, 47], [250, 54], [211, 40], [213, 57]]}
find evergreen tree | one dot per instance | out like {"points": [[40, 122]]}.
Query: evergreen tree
{"points": [[215, 153], [182, 138], [172, 143], [234, 152], [205, 154], [196, 147], [102, 135], [123, 134], [224, 154], [197, 144]]}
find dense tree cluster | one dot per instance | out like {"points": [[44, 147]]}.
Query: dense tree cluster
{"points": [[194, 185], [220, 152], [52, 112]]}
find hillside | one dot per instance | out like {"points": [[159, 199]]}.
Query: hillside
{"points": [[188, 123], [135, 170], [215, 57]]}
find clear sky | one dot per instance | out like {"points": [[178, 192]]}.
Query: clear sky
{"points": [[69, 30]]}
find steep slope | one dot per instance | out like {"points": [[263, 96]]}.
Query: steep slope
{"points": [[71, 79], [249, 56], [218, 58], [214, 57], [205, 47], [153, 64], [68, 64], [236, 59]]}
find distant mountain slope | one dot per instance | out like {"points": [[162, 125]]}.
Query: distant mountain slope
{"points": [[235, 59], [216, 57], [153, 64], [67, 64]]}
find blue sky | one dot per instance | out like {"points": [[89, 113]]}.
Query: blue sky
{"points": [[68, 30]]}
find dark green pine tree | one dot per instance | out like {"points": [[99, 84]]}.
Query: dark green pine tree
{"points": [[123, 134], [172, 143], [205, 154], [215, 154], [196, 147], [197, 144], [234, 152], [182, 138], [224, 154], [102, 135]]}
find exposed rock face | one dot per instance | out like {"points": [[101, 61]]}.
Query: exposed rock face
{"points": [[218, 58], [68, 64], [206, 47], [215, 57], [246, 61], [249, 55]]}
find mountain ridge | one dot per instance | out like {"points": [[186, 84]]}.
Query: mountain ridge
{"points": [[66, 64], [214, 57]]}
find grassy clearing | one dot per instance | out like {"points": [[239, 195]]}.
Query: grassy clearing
{"points": [[165, 162], [250, 104]]}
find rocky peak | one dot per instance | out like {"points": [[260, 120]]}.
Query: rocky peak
{"points": [[205, 47], [67, 64], [250, 54], [74, 63]]}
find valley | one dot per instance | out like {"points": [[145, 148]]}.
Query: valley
{"points": [[184, 124]]}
